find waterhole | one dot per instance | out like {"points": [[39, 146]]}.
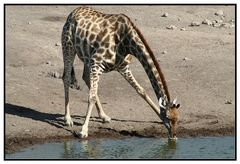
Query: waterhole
{"points": [[133, 148]]}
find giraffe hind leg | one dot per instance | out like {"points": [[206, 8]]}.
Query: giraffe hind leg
{"points": [[66, 81], [101, 113], [74, 83], [68, 58]]}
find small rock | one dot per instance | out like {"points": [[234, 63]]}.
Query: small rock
{"points": [[171, 27], [186, 59], [57, 44], [228, 102], [29, 22], [232, 20], [216, 25], [183, 29], [195, 23], [48, 62], [222, 17], [165, 15], [219, 21], [164, 52], [179, 19], [207, 22], [56, 75], [227, 25], [219, 13], [27, 130], [13, 124]]}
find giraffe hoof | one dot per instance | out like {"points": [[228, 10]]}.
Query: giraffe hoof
{"points": [[68, 121], [173, 138], [106, 119], [83, 134]]}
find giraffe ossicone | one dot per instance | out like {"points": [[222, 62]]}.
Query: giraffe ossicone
{"points": [[104, 43]]}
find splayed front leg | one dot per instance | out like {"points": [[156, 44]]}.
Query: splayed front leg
{"points": [[84, 132], [101, 113], [95, 72]]}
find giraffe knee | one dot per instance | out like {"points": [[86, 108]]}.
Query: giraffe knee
{"points": [[66, 78], [92, 99], [141, 91]]}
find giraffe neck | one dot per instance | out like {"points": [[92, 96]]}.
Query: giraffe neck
{"points": [[143, 53]]}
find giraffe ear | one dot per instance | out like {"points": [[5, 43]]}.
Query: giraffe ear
{"points": [[161, 103]]}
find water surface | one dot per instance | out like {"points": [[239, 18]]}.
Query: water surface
{"points": [[133, 148]]}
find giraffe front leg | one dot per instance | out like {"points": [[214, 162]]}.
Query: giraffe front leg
{"points": [[84, 131], [94, 78], [127, 74], [86, 78]]}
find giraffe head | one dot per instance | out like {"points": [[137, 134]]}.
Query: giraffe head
{"points": [[169, 115]]}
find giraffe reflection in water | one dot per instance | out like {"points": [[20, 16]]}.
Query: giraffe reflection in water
{"points": [[120, 149]]}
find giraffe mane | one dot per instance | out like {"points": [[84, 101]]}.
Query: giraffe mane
{"points": [[152, 56]]}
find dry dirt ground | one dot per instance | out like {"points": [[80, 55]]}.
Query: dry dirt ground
{"points": [[204, 82]]}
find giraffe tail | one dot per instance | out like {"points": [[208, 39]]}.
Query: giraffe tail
{"points": [[74, 83]]}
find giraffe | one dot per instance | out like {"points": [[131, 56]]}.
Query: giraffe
{"points": [[104, 43]]}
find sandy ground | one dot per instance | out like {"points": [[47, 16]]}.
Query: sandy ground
{"points": [[204, 83]]}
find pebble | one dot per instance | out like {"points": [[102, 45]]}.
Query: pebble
{"points": [[57, 44], [216, 25], [228, 102], [171, 27], [227, 25], [13, 124], [164, 52], [207, 22], [56, 75], [29, 22], [27, 130], [48, 62], [218, 21], [195, 23], [165, 15], [183, 29], [219, 13], [186, 59]]}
